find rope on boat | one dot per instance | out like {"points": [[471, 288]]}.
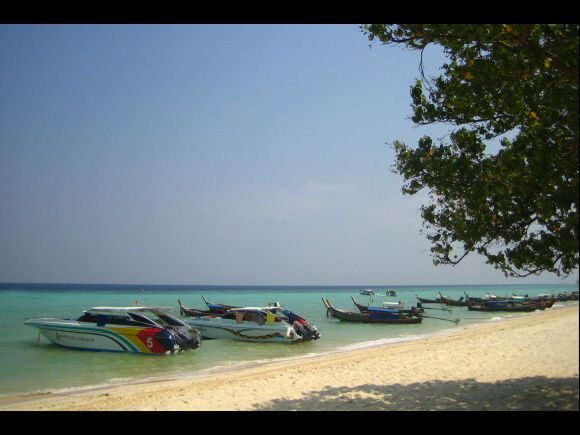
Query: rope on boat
{"points": [[456, 321]]}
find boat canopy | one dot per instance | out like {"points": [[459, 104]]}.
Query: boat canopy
{"points": [[131, 308]]}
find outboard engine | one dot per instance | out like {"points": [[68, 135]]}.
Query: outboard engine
{"points": [[186, 343], [306, 331]]}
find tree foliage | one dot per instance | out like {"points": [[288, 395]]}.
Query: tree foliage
{"points": [[516, 84]]}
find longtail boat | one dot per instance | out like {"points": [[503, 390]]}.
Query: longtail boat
{"points": [[565, 297], [429, 301], [547, 303], [376, 315], [213, 309], [389, 305], [193, 312], [216, 308], [456, 303], [506, 306]]}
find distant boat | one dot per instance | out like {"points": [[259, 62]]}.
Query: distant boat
{"points": [[367, 292]]}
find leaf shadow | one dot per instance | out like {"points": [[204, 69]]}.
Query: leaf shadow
{"points": [[526, 394]]}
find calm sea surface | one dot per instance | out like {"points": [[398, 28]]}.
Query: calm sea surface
{"points": [[32, 364]]}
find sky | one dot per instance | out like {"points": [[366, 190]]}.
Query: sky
{"points": [[212, 155]]}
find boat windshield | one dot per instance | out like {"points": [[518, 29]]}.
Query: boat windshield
{"points": [[143, 319], [170, 320], [257, 315]]}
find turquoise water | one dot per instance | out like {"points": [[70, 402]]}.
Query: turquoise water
{"points": [[32, 364]]}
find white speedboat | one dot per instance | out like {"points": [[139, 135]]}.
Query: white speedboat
{"points": [[367, 292], [121, 329], [271, 324]]}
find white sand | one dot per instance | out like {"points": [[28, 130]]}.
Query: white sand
{"points": [[526, 363]]}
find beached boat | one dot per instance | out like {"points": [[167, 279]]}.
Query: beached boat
{"points": [[532, 300], [374, 315], [506, 306], [548, 303], [255, 324], [565, 297], [137, 329]]}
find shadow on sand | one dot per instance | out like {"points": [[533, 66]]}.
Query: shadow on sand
{"points": [[527, 394]]}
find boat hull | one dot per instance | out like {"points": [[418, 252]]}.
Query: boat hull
{"points": [[509, 309], [217, 328], [429, 301], [75, 335], [349, 316]]}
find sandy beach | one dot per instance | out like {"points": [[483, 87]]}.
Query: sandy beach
{"points": [[527, 363]]}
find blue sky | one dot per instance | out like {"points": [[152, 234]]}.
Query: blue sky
{"points": [[211, 154]]}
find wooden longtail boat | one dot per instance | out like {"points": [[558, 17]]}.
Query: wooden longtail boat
{"points": [[429, 301], [548, 304], [374, 316], [456, 303], [365, 308], [506, 306], [213, 309], [565, 297], [193, 312], [475, 300], [415, 311], [216, 308]]}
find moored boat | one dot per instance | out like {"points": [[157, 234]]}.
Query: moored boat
{"points": [[217, 308], [456, 303], [414, 311], [429, 301], [565, 297], [387, 305], [373, 315], [194, 312], [138, 329], [270, 324], [506, 306]]}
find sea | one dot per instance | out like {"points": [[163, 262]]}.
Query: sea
{"points": [[31, 364]]}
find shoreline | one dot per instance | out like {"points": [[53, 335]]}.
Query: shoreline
{"points": [[524, 363]]}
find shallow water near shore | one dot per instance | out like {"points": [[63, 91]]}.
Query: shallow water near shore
{"points": [[32, 364]]}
